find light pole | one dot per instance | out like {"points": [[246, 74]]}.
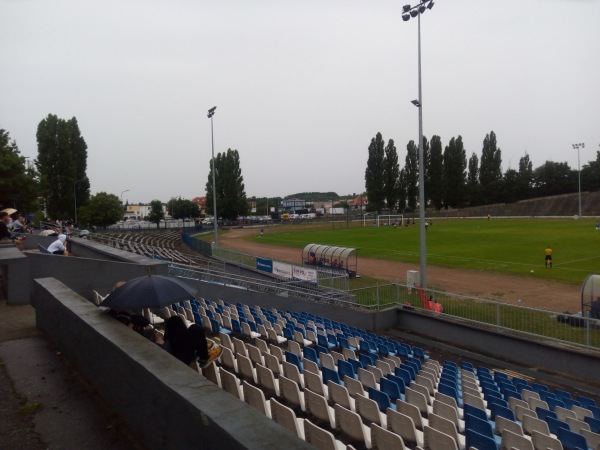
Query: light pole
{"points": [[75, 199], [408, 12], [126, 190], [211, 113], [578, 146]]}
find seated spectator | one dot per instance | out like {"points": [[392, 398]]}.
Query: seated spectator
{"points": [[6, 234], [58, 246], [18, 225], [136, 322], [51, 232], [189, 344]]}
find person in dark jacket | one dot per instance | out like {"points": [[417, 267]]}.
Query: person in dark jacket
{"points": [[189, 344]]}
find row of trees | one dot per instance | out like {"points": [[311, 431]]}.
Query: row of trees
{"points": [[452, 181]]}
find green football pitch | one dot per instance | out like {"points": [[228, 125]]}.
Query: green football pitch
{"points": [[513, 246]]}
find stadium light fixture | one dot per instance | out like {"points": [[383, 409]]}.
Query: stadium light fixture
{"points": [[578, 146], [408, 12], [211, 113]]}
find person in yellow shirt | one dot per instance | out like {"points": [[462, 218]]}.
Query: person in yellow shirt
{"points": [[548, 260]]}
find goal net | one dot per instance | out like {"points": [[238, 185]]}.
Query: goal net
{"points": [[390, 220]]}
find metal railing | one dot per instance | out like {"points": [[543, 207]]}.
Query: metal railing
{"points": [[489, 314]]}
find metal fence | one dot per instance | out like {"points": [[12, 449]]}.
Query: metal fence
{"points": [[514, 319]]}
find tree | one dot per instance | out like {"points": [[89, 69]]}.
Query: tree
{"points": [[391, 171], [524, 178], [180, 208], [62, 165], [510, 186], [554, 178], [473, 190], [590, 175], [231, 194], [411, 172], [455, 163], [490, 170], [156, 212], [434, 186], [18, 184], [374, 174], [101, 210]]}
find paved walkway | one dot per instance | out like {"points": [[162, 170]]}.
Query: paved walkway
{"points": [[44, 402]]}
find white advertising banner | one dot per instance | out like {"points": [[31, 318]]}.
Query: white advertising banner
{"points": [[304, 274], [282, 269]]}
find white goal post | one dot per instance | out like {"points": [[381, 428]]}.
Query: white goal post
{"points": [[379, 220]]}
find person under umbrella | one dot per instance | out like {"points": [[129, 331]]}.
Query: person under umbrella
{"points": [[189, 344]]}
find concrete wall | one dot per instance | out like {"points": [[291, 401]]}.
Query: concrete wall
{"points": [[169, 405], [574, 363], [95, 267]]}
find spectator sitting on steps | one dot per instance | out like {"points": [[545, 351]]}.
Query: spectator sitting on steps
{"points": [[58, 246]]}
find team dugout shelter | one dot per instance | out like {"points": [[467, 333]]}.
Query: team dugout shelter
{"points": [[341, 259]]}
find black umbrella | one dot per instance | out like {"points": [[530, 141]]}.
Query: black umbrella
{"points": [[152, 291]]}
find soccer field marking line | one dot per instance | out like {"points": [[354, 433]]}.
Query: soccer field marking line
{"points": [[577, 260]]}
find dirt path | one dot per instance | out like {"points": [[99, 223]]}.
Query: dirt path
{"points": [[513, 289]]}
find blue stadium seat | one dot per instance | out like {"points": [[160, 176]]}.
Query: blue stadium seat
{"points": [[391, 388], [331, 375], [514, 394], [324, 342], [593, 423], [399, 381], [287, 333], [419, 353], [542, 413], [410, 370], [450, 392], [356, 364], [292, 358], [346, 368], [403, 374], [467, 366], [502, 411], [332, 341], [216, 328], [344, 343], [496, 401], [569, 403], [538, 387], [570, 440], [235, 326], [586, 402], [381, 398], [560, 394], [554, 424], [321, 349], [311, 354], [366, 360], [479, 441], [475, 412], [367, 347], [595, 411], [553, 403]]}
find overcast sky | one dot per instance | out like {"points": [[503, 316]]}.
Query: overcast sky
{"points": [[300, 87]]}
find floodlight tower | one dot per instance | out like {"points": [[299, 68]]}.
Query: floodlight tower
{"points": [[211, 113], [408, 12], [578, 146]]}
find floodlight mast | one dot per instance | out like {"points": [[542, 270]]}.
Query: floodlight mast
{"points": [[211, 113], [408, 12], [578, 146]]}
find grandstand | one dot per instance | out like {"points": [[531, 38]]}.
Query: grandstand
{"points": [[334, 385], [164, 245], [552, 206], [319, 370]]}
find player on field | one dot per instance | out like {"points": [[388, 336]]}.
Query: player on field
{"points": [[548, 259]]}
